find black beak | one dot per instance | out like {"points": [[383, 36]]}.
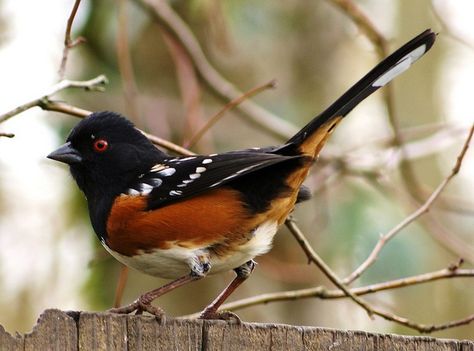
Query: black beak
{"points": [[66, 154]]}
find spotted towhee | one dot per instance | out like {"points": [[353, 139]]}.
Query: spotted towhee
{"points": [[185, 217]]}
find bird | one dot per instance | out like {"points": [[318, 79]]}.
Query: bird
{"points": [[185, 217]]}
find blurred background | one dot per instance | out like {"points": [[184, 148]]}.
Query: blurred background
{"points": [[49, 255]]}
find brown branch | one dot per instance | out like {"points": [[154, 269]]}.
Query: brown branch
{"points": [[161, 12], [122, 282], [447, 28], [190, 88], [214, 119], [314, 258], [365, 25], [7, 135], [68, 42], [323, 293], [168, 145], [95, 84], [130, 90], [420, 211], [58, 106]]}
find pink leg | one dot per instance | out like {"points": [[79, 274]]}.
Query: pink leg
{"points": [[143, 303], [210, 312]]}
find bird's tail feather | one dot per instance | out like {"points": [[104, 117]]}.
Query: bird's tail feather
{"points": [[312, 137]]}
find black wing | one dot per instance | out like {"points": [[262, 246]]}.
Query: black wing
{"points": [[181, 177]]}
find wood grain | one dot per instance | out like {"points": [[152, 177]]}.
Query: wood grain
{"points": [[58, 330]]}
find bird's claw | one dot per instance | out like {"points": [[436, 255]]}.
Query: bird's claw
{"points": [[221, 315], [139, 306]]}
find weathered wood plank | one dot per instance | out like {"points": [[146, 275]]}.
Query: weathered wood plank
{"points": [[58, 330], [55, 330], [147, 333], [102, 331], [9, 342]]}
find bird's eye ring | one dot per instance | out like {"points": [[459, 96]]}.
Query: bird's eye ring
{"points": [[100, 145]]}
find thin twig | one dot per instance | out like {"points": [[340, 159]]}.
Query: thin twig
{"points": [[265, 120], [452, 243], [190, 88], [420, 211], [323, 293], [63, 107], [447, 28], [68, 42], [93, 84], [122, 282], [168, 145], [125, 65], [214, 119], [319, 262], [365, 25], [7, 135], [314, 258]]}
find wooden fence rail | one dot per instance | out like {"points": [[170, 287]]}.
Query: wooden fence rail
{"points": [[64, 331]]}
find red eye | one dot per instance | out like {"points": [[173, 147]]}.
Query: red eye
{"points": [[101, 145]]}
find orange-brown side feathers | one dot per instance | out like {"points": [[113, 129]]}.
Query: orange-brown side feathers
{"points": [[204, 220]]}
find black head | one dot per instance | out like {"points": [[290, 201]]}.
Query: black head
{"points": [[105, 151]]}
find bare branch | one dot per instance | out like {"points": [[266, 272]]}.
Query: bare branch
{"points": [[420, 211], [122, 282], [168, 145], [96, 84], [314, 258], [267, 121], [68, 42], [130, 90], [190, 88], [63, 107], [7, 135], [321, 292], [214, 119], [447, 28], [365, 25]]}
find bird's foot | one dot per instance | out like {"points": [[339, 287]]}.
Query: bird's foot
{"points": [[222, 315], [139, 306]]}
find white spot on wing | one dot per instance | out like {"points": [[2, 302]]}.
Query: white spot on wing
{"points": [[175, 192], [187, 181], [194, 176], [133, 192], [200, 169], [167, 172], [402, 65], [157, 168], [206, 161], [187, 158], [145, 189]]}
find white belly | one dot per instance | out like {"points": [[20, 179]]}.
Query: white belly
{"points": [[177, 262]]}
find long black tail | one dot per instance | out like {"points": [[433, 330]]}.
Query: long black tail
{"points": [[311, 138]]}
